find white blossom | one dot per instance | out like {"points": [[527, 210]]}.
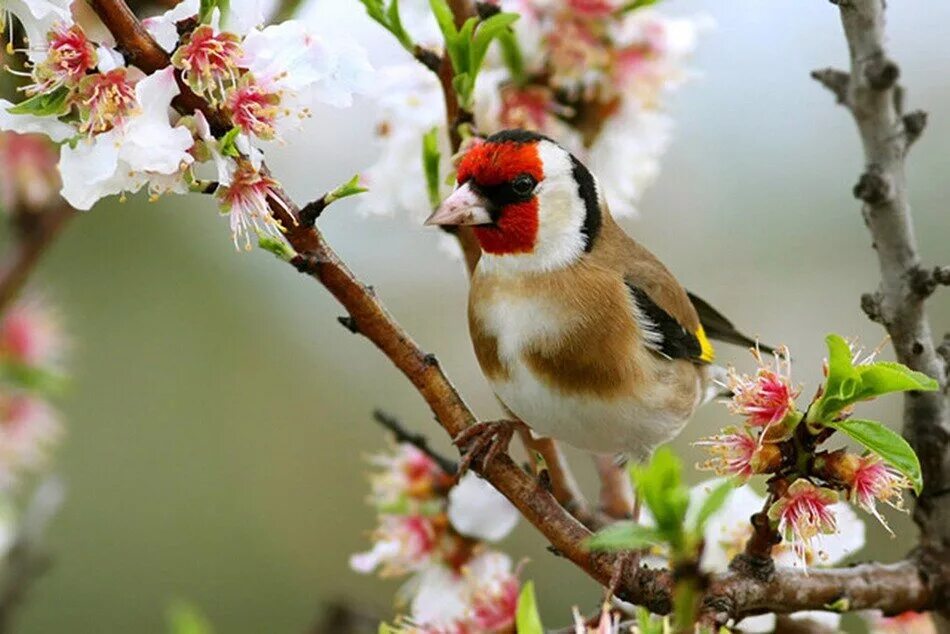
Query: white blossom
{"points": [[126, 157], [477, 510], [29, 123], [38, 17]]}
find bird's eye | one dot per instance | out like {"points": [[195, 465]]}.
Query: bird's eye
{"points": [[523, 184]]}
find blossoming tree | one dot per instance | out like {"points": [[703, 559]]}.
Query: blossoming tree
{"points": [[183, 102]]}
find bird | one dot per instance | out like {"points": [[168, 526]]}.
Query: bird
{"points": [[583, 334]]}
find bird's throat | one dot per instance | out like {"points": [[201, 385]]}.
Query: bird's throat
{"points": [[515, 231]]}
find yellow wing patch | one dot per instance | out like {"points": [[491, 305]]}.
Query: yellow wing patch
{"points": [[708, 353]]}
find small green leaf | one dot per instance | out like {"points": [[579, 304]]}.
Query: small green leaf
{"points": [[351, 187], [513, 58], [527, 619], [32, 378], [276, 246], [624, 536], [228, 143], [184, 618], [431, 159], [887, 444], [660, 485], [634, 5], [44, 104], [395, 25], [487, 31], [445, 19], [713, 502]]}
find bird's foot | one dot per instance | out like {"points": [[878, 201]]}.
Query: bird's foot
{"points": [[483, 441]]}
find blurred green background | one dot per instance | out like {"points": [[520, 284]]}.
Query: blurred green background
{"points": [[219, 415]]}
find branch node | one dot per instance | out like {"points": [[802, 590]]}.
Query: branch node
{"points": [[430, 360], [923, 282], [881, 73], [914, 124], [311, 211], [873, 187], [485, 10], [349, 323], [834, 80], [307, 263], [871, 304], [428, 58]]}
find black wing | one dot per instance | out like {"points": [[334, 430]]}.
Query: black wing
{"points": [[662, 332], [718, 327]]}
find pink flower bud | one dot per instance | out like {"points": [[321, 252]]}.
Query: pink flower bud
{"points": [[30, 335], [767, 397], [29, 177], [730, 453]]}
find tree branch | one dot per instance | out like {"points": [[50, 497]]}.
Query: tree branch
{"points": [[876, 103], [874, 100], [35, 232], [891, 588], [403, 435]]}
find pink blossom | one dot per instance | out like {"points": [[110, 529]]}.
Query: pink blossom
{"points": [[246, 200], [768, 397], [406, 475], [70, 55], [874, 481], [28, 427], [904, 623], [730, 453], [30, 335], [494, 592], [803, 513], [29, 175], [209, 61], [592, 8], [106, 99], [401, 544], [254, 110]]}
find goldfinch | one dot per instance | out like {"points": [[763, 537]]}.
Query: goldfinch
{"points": [[583, 334]]}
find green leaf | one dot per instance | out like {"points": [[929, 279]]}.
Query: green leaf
{"points": [[431, 159], [660, 486], [634, 5], [445, 19], [396, 27], [228, 143], [184, 618], [351, 187], [527, 619], [513, 58], [44, 104], [887, 444], [487, 31], [624, 536], [32, 378], [713, 502], [847, 384], [276, 246], [884, 377]]}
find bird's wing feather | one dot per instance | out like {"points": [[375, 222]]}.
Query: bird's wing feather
{"points": [[719, 327], [664, 334]]}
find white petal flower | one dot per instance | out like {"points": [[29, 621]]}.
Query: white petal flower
{"points": [[305, 68], [441, 597], [127, 157], [478, 510], [162, 27], [38, 17], [109, 58], [27, 123]]}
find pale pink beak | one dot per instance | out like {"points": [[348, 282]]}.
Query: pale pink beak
{"points": [[464, 207]]}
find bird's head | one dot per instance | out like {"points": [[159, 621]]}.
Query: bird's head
{"points": [[530, 202]]}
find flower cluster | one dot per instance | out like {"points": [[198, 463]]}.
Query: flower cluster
{"points": [[434, 531], [728, 530], [116, 125], [781, 441], [31, 349], [590, 75]]}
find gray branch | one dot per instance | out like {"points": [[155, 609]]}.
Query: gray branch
{"points": [[871, 93]]}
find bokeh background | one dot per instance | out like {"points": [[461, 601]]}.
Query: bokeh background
{"points": [[219, 417]]}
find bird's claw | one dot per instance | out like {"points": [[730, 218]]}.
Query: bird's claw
{"points": [[483, 441]]}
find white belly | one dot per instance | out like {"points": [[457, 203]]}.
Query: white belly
{"points": [[602, 425]]}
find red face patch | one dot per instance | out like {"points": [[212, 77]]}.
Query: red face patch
{"points": [[490, 165]]}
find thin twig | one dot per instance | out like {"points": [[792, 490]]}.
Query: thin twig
{"points": [[419, 441]]}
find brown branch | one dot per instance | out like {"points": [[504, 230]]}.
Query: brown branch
{"points": [[874, 100], [35, 233], [891, 588]]}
